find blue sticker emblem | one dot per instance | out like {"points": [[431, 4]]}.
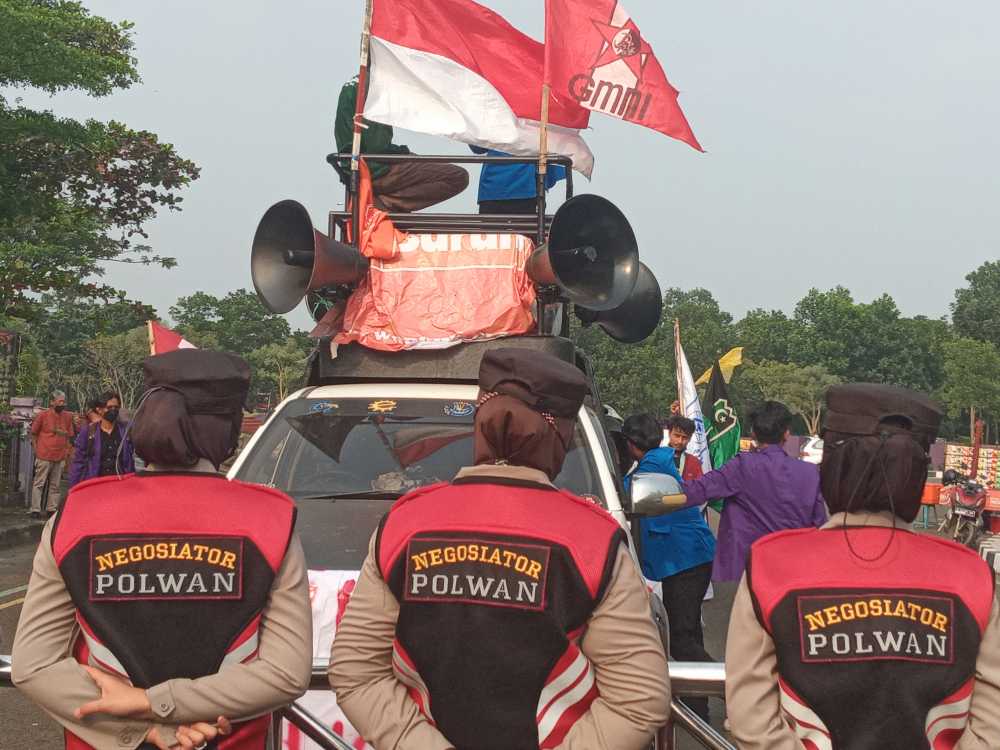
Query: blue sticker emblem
{"points": [[460, 409], [323, 407]]}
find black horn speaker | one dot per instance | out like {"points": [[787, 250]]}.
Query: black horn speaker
{"points": [[591, 253], [634, 319], [290, 258]]}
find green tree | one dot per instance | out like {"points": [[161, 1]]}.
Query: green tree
{"points": [[972, 379], [766, 334], [281, 366], [239, 322], [115, 363], [801, 389], [57, 335], [976, 309], [73, 195], [866, 342]]}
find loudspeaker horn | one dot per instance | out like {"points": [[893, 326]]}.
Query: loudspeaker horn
{"points": [[636, 318], [591, 253], [290, 258]]}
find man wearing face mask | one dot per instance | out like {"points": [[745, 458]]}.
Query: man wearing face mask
{"points": [[497, 612], [51, 437], [103, 448]]}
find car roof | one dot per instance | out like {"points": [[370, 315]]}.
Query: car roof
{"points": [[398, 390]]}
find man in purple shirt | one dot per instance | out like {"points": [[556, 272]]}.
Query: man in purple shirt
{"points": [[764, 491]]}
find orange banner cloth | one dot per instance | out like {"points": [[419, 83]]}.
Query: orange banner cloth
{"points": [[432, 291], [442, 290]]}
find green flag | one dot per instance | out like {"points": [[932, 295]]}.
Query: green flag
{"points": [[722, 426]]}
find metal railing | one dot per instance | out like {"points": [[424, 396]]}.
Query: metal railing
{"points": [[694, 679], [535, 223]]}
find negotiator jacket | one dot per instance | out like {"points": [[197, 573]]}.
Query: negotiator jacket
{"points": [[382, 661], [169, 575], [876, 633]]}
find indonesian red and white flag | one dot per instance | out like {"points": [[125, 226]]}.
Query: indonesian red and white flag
{"points": [[163, 340], [456, 69], [596, 56]]}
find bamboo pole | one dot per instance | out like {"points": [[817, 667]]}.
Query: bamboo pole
{"points": [[359, 107], [677, 367]]}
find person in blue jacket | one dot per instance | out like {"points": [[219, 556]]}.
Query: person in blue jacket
{"points": [[676, 549], [511, 188]]}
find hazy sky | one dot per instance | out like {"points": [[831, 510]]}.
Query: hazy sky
{"points": [[853, 142]]}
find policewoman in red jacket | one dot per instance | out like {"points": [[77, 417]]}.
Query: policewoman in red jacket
{"points": [[496, 612], [862, 634], [163, 601]]}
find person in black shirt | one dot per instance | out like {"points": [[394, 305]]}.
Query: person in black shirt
{"points": [[103, 448]]}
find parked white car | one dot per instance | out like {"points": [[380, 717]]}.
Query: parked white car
{"points": [[812, 450]]}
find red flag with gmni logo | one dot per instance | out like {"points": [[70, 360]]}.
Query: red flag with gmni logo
{"points": [[595, 54]]}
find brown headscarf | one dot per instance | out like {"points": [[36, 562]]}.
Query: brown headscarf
{"points": [[527, 408], [875, 443], [164, 433], [510, 431], [193, 407]]}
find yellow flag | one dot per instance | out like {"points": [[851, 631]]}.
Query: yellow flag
{"points": [[727, 363]]}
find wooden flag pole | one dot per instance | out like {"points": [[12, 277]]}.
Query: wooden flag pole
{"points": [[677, 366], [359, 107], [543, 149]]}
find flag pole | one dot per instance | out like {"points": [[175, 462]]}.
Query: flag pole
{"points": [[543, 132], [152, 341], [359, 107], [543, 148], [677, 366]]}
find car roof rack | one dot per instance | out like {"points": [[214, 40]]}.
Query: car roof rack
{"points": [[354, 363]]}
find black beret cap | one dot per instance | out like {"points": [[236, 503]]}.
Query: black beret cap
{"points": [[542, 381], [211, 382], [860, 408]]}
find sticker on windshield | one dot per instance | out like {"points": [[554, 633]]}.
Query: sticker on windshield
{"points": [[475, 571], [459, 409], [324, 407], [382, 406]]}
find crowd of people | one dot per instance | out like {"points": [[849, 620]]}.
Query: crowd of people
{"points": [[168, 608]]}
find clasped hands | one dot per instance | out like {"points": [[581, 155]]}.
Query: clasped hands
{"points": [[119, 698]]}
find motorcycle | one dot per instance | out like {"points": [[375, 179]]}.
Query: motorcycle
{"points": [[966, 502]]}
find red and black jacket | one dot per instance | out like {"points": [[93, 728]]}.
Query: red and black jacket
{"points": [[496, 580], [170, 574], [876, 634]]}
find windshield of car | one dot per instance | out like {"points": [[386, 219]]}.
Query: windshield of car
{"points": [[346, 460]]}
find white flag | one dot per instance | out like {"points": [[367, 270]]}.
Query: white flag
{"points": [[687, 394]]}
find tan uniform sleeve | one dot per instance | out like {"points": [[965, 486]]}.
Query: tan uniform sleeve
{"points": [[623, 644], [360, 671], [45, 670], [752, 700], [278, 675], [983, 731]]}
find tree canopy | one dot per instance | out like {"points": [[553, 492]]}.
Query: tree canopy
{"points": [[976, 309], [73, 195], [830, 337], [800, 388], [238, 322]]}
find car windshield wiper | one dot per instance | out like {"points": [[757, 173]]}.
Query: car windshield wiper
{"points": [[355, 495]]}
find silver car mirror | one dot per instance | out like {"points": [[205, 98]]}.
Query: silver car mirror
{"points": [[655, 494]]}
